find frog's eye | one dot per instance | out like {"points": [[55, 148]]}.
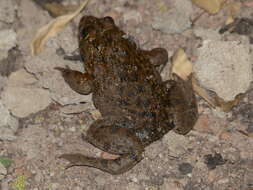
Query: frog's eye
{"points": [[108, 19], [85, 31]]}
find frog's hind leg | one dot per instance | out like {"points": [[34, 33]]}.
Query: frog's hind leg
{"points": [[110, 136], [157, 57], [79, 82], [183, 102]]}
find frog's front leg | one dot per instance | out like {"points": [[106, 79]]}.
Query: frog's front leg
{"points": [[79, 82], [113, 137]]}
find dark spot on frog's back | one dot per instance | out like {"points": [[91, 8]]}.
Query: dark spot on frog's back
{"points": [[147, 114], [123, 102], [107, 146], [143, 102], [114, 130]]}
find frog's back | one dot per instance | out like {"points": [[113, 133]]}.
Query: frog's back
{"points": [[125, 82], [128, 86]]}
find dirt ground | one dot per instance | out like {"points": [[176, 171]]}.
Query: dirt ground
{"points": [[216, 155]]}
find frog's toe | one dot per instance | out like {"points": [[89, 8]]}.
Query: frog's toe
{"points": [[74, 159], [114, 167]]}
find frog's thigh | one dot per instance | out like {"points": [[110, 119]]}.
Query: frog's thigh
{"points": [[79, 82], [110, 138], [115, 136], [184, 105], [157, 57]]}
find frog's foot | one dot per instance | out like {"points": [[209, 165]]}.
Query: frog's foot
{"points": [[113, 135], [79, 82], [114, 167], [184, 105]]}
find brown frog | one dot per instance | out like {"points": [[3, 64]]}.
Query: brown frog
{"points": [[137, 107]]}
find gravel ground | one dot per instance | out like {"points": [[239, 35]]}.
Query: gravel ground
{"points": [[41, 117]]}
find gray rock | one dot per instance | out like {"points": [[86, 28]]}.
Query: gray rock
{"points": [[172, 183], [224, 67], [43, 67], [21, 97], [207, 34], [66, 39], [77, 108], [21, 78], [8, 124], [3, 81], [177, 144], [24, 101], [175, 20], [185, 168], [30, 24], [132, 15], [3, 171], [7, 11], [28, 142], [8, 39]]}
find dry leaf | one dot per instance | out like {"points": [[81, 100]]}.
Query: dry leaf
{"points": [[229, 20], [162, 6], [95, 114], [232, 10], [246, 134], [227, 106], [181, 64], [57, 9], [52, 28], [203, 93], [215, 100], [211, 6]]}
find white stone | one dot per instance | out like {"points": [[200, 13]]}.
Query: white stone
{"points": [[23, 101], [224, 67], [7, 11], [177, 144], [28, 142], [132, 15], [22, 97], [43, 66], [176, 19], [207, 34], [21, 78]]}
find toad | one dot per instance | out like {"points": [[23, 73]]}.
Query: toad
{"points": [[137, 107]]}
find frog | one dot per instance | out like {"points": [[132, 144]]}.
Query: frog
{"points": [[137, 107]]}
